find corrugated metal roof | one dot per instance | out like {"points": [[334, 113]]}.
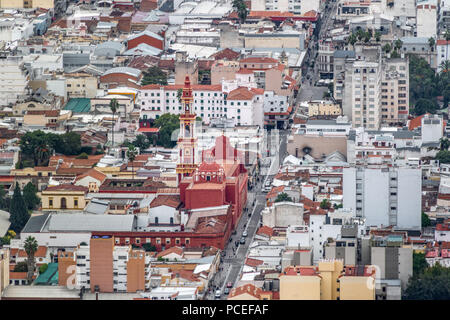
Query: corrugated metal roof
{"points": [[79, 222]]}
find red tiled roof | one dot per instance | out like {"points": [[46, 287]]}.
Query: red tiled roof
{"points": [[166, 200], [300, 270], [152, 130], [259, 60], [100, 176], [265, 230], [253, 262], [177, 250], [416, 122], [226, 53], [47, 113], [248, 288], [40, 253], [244, 71], [241, 93]]}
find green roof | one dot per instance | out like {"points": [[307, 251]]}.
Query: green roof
{"points": [[50, 276], [78, 105]]}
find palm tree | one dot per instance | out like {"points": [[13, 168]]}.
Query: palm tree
{"points": [[398, 44], [113, 105], [131, 155], [42, 154], [30, 247], [431, 43], [387, 48], [445, 66]]}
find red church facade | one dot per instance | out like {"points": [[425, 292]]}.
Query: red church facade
{"points": [[220, 180]]}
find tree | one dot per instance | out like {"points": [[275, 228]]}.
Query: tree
{"points": [[30, 196], [241, 9], [398, 44], [167, 123], [4, 200], [148, 247], [352, 39], [360, 34], [141, 142], [154, 75], [113, 105], [377, 36], [18, 211], [131, 155], [419, 263], [43, 268], [82, 155], [423, 106], [387, 48], [443, 156], [444, 66], [283, 197], [30, 245], [325, 204], [444, 143], [432, 284], [426, 222], [21, 267], [431, 43]]}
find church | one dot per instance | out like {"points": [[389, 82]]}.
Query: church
{"points": [[210, 178]]}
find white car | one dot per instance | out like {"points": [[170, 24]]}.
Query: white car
{"points": [[218, 294], [244, 234]]}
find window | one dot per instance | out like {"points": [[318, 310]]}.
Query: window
{"points": [[50, 202]]}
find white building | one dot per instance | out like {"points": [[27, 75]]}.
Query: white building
{"points": [[432, 128], [427, 18], [442, 52], [384, 196], [13, 80], [294, 6], [283, 214], [14, 29]]}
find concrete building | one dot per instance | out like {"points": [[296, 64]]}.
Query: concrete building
{"points": [[394, 260], [299, 7], [395, 91], [421, 47], [283, 214], [427, 18], [13, 81], [384, 196], [4, 270], [442, 48], [102, 266], [323, 108], [331, 280], [319, 138]]}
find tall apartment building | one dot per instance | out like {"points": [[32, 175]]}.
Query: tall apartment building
{"points": [[384, 196], [395, 91], [371, 88], [426, 18], [326, 58], [394, 260], [104, 266], [294, 6]]}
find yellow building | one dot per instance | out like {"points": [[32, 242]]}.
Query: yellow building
{"points": [[19, 4], [323, 108], [64, 197], [331, 280], [81, 85]]}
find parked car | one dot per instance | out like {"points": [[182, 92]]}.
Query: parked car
{"points": [[218, 294], [242, 241], [229, 285], [226, 291], [245, 233]]}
